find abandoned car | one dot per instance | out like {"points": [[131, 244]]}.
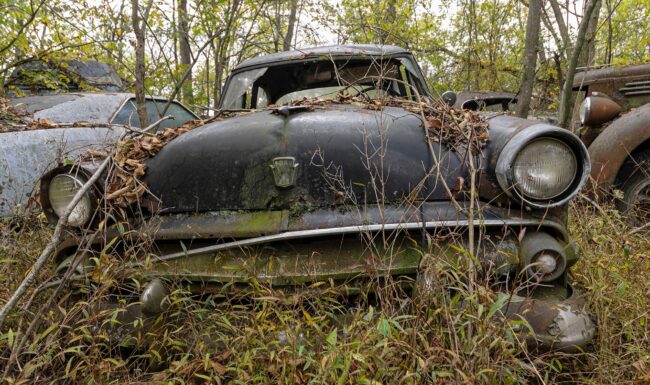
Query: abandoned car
{"points": [[615, 119], [335, 164], [60, 126], [486, 101]]}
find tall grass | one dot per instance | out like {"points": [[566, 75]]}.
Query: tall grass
{"points": [[452, 334]]}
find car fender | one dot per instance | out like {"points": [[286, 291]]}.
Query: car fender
{"points": [[613, 146], [26, 155]]}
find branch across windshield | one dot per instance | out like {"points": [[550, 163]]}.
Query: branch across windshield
{"points": [[283, 84]]}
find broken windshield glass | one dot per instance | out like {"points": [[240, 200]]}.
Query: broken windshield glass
{"points": [[284, 83], [235, 97]]}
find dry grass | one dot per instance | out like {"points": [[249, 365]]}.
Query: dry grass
{"points": [[295, 338]]}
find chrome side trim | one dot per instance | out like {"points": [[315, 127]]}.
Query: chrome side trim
{"points": [[301, 234]]}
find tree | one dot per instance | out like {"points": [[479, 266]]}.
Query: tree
{"points": [[564, 115], [530, 58], [185, 51], [588, 53], [139, 22], [288, 38]]}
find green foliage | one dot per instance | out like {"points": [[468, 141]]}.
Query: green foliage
{"points": [[628, 30], [446, 335]]}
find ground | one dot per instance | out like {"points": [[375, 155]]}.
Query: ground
{"points": [[281, 337]]}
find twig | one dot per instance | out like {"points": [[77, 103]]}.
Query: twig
{"points": [[639, 229], [150, 127], [51, 245]]}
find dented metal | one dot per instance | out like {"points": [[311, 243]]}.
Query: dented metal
{"points": [[557, 318]]}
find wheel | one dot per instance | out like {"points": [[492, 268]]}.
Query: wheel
{"points": [[634, 182]]}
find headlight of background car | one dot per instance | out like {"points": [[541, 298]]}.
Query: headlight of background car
{"points": [[543, 166], [544, 169], [598, 109], [61, 190]]}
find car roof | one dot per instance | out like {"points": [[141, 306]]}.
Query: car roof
{"points": [[39, 102], [92, 107], [333, 50], [607, 74]]}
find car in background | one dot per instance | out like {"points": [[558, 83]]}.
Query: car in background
{"points": [[486, 101], [60, 127], [339, 171], [615, 125]]}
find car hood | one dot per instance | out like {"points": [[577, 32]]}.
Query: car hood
{"points": [[341, 154]]}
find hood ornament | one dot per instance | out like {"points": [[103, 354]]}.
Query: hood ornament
{"points": [[285, 170]]}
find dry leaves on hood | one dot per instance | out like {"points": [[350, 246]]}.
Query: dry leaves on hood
{"points": [[444, 124], [124, 185], [41, 123], [12, 118]]}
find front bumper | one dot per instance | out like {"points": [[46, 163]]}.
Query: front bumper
{"points": [[556, 319], [286, 249], [551, 323]]}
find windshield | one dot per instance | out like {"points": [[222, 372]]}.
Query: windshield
{"points": [[282, 84]]}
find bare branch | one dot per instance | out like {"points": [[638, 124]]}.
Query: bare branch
{"points": [[51, 245]]}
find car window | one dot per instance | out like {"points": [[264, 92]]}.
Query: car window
{"points": [[282, 84], [240, 89], [129, 115]]}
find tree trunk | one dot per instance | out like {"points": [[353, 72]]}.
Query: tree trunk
{"points": [[185, 51], [278, 26], [610, 32], [218, 71], [292, 24], [564, 116], [564, 31], [139, 31], [530, 58], [587, 55], [175, 37]]}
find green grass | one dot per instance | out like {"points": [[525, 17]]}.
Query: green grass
{"points": [[295, 338]]}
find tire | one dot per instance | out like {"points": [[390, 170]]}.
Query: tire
{"points": [[634, 182]]}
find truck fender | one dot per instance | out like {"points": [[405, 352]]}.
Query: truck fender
{"points": [[613, 146]]}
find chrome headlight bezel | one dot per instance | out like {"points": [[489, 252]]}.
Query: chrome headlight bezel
{"points": [[505, 172], [585, 110]]}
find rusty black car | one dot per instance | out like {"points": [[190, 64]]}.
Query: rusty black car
{"points": [[328, 170]]}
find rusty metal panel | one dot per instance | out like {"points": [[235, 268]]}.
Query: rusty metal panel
{"points": [[612, 147], [610, 74], [26, 155]]}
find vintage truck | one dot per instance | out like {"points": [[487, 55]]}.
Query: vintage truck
{"points": [[337, 164], [615, 119]]}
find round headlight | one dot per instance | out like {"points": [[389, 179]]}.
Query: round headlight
{"points": [[544, 169], [61, 191]]}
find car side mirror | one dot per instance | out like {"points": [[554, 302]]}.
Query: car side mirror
{"points": [[449, 97]]}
